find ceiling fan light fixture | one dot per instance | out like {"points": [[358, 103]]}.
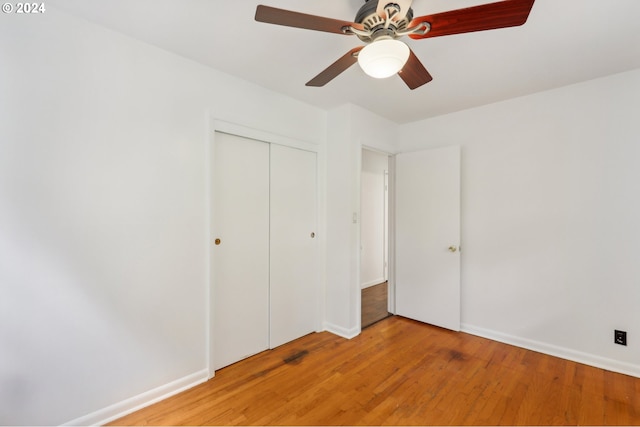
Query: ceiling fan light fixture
{"points": [[383, 58]]}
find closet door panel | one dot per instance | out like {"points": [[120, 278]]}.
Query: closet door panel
{"points": [[241, 258], [294, 261]]}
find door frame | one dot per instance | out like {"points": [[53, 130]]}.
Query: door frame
{"points": [[390, 243], [215, 125], [391, 221]]}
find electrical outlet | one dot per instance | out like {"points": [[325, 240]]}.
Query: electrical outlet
{"points": [[620, 337]]}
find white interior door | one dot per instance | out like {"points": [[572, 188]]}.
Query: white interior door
{"points": [[241, 259], [294, 254], [428, 236]]}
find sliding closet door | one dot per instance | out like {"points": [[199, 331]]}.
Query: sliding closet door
{"points": [[240, 248], [294, 257]]}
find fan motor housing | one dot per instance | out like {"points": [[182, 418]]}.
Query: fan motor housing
{"points": [[375, 25]]}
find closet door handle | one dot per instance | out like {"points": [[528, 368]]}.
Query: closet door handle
{"points": [[217, 242], [313, 235]]}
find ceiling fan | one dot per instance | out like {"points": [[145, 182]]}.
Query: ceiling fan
{"points": [[380, 23]]}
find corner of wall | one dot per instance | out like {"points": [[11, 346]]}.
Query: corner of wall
{"points": [[342, 332]]}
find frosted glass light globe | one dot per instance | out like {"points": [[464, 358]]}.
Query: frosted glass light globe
{"points": [[383, 58]]}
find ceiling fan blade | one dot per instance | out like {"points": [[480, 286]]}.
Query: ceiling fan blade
{"points": [[414, 73], [335, 69], [272, 15], [507, 13], [405, 5]]}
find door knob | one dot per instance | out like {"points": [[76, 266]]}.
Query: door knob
{"points": [[217, 242], [313, 235], [453, 249]]}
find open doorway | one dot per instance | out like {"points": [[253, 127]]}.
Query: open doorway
{"points": [[374, 237]]}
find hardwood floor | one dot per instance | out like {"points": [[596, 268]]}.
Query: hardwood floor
{"points": [[402, 372], [374, 304]]}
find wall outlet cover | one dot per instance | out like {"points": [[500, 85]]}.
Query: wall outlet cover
{"points": [[620, 337]]}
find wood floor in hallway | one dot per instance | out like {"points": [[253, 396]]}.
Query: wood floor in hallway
{"points": [[374, 304], [402, 372]]}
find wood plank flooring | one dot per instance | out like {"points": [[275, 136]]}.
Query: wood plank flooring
{"points": [[374, 304], [402, 372]]}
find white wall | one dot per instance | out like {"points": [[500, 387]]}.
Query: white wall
{"points": [[550, 218], [103, 214], [349, 128], [341, 238], [372, 225]]}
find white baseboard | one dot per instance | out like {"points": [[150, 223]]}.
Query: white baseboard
{"points": [[140, 401], [340, 331], [553, 350], [372, 283]]}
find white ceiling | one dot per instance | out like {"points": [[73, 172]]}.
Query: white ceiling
{"points": [[563, 42]]}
